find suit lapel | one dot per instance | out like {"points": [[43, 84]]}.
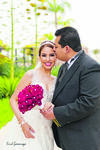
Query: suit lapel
{"points": [[67, 76]]}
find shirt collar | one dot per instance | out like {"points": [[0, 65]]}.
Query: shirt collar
{"points": [[75, 57]]}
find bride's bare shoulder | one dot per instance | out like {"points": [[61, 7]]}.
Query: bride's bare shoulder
{"points": [[29, 74]]}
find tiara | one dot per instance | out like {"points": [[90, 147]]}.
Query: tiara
{"points": [[47, 42]]}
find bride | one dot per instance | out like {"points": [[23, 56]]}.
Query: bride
{"points": [[31, 131]]}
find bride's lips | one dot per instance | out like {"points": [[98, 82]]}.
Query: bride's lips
{"points": [[48, 64]]}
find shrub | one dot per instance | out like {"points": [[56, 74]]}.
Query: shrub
{"points": [[5, 65], [7, 86], [19, 71]]}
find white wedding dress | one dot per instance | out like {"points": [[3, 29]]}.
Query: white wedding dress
{"points": [[11, 135]]}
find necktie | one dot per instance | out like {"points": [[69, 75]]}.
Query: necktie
{"points": [[65, 67]]}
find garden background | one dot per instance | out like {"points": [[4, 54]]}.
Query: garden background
{"points": [[24, 25]]}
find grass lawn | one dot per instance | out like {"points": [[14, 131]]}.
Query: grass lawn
{"points": [[6, 113]]}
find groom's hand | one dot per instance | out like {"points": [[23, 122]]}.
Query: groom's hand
{"points": [[47, 111]]}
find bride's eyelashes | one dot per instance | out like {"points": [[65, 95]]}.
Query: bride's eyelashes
{"points": [[43, 55], [51, 55]]}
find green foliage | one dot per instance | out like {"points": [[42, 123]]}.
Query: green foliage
{"points": [[55, 7], [6, 113], [5, 65], [64, 23], [5, 69], [41, 0], [27, 9], [19, 71], [1, 42], [68, 4], [5, 2], [42, 8], [7, 86], [49, 36], [4, 59], [38, 13], [33, 5], [55, 71], [96, 51]]}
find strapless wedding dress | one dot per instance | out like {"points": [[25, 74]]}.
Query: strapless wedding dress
{"points": [[11, 135]]}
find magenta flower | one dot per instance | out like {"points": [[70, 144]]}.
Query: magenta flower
{"points": [[29, 97]]}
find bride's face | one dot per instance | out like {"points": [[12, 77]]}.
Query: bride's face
{"points": [[47, 58]]}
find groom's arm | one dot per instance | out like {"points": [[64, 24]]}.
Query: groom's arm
{"points": [[88, 101]]}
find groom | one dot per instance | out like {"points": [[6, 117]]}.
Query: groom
{"points": [[76, 99]]}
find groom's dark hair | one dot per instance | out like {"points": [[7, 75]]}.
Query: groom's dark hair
{"points": [[70, 37]]}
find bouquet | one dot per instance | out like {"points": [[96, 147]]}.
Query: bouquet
{"points": [[29, 97]]}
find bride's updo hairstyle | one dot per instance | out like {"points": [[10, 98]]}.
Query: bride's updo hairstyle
{"points": [[46, 44]]}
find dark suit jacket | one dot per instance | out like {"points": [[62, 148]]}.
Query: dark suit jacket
{"points": [[77, 106]]}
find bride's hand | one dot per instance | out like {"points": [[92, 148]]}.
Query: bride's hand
{"points": [[48, 106], [28, 130], [47, 111]]}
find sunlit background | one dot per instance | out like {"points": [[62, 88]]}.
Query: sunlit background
{"points": [[24, 24], [30, 29]]}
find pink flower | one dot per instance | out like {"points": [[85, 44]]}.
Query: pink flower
{"points": [[29, 97]]}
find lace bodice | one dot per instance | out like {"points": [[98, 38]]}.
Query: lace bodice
{"points": [[47, 94]]}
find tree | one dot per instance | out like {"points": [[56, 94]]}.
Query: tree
{"points": [[55, 7], [46, 36], [38, 5], [12, 42], [11, 16], [64, 23]]}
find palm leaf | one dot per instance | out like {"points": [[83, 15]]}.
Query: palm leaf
{"points": [[7, 86]]}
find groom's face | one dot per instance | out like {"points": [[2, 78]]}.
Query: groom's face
{"points": [[60, 52]]}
